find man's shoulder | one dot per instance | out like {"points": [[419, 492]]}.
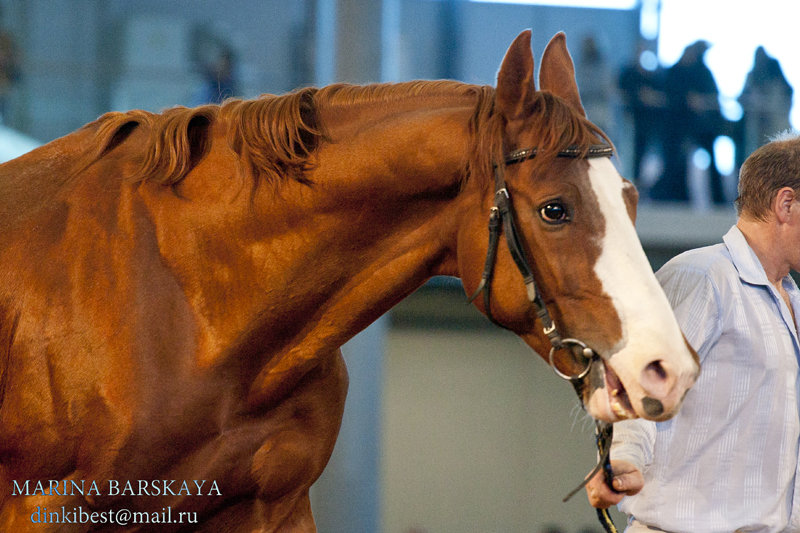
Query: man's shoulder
{"points": [[709, 266], [708, 260]]}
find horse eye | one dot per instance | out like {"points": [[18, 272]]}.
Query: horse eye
{"points": [[554, 213]]}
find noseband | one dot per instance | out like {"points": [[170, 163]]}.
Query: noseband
{"points": [[501, 217]]}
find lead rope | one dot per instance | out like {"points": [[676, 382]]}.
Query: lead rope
{"points": [[604, 432]]}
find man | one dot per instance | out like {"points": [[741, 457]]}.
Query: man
{"points": [[728, 461]]}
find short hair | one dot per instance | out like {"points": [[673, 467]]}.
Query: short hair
{"points": [[767, 170]]}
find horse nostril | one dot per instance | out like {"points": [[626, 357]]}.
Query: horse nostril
{"points": [[656, 379], [656, 371]]}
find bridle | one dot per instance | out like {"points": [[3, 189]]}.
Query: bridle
{"points": [[501, 218]]}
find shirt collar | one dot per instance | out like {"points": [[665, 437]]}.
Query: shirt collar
{"points": [[744, 258], [747, 263]]}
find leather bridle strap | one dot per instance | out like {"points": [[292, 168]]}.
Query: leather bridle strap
{"points": [[501, 218], [502, 215], [604, 433]]}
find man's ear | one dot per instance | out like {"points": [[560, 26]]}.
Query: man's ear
{"points": [[782, 204]]}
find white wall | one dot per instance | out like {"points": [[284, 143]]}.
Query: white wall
{"points": [[479, 436]]}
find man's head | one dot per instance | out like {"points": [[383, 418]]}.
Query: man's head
{"points": [[769, 169]]}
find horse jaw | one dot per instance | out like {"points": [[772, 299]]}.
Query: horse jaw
{"points": [[648, 372]]}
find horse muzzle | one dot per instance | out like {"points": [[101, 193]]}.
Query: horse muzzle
{"points": [[625, 387]]}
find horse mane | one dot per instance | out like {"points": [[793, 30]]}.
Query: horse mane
{"points": [[275, 136]]}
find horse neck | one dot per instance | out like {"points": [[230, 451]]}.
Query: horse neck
{"points": [[392, 156], [318, 262], [386, 193]]}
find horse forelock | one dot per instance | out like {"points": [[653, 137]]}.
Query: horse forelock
{"points": [[552, 124], [556, 126]]}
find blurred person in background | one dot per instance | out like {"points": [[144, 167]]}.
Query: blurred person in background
{"points": [[766, 101], [693, 120], [645, 103]]}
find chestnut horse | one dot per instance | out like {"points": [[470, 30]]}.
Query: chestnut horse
{"points": [[176, 287]]}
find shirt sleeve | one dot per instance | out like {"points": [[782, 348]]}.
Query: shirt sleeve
{"points": [[633, 442]]}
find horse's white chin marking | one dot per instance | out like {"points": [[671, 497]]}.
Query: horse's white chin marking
{"points": [[651, 338]]}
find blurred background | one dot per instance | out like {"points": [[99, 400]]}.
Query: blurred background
{"points": [[452, 425]]}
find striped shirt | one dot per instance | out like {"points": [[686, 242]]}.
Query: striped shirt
{"points": [[729, 460]]}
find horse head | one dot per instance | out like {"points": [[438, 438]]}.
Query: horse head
{"points": [[565, 269]]}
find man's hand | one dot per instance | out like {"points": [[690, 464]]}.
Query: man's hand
{"points": [[628, 481]]}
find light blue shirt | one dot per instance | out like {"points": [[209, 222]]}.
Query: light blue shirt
{"points": [[729, 460]]}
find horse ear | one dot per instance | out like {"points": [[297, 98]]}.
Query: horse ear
{"points": [[557, 74], [515, 85]]}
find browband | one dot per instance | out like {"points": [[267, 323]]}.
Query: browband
{"points": [[597, 150]]}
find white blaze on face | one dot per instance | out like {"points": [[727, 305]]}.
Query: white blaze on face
{"points": [[651, 359]]}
